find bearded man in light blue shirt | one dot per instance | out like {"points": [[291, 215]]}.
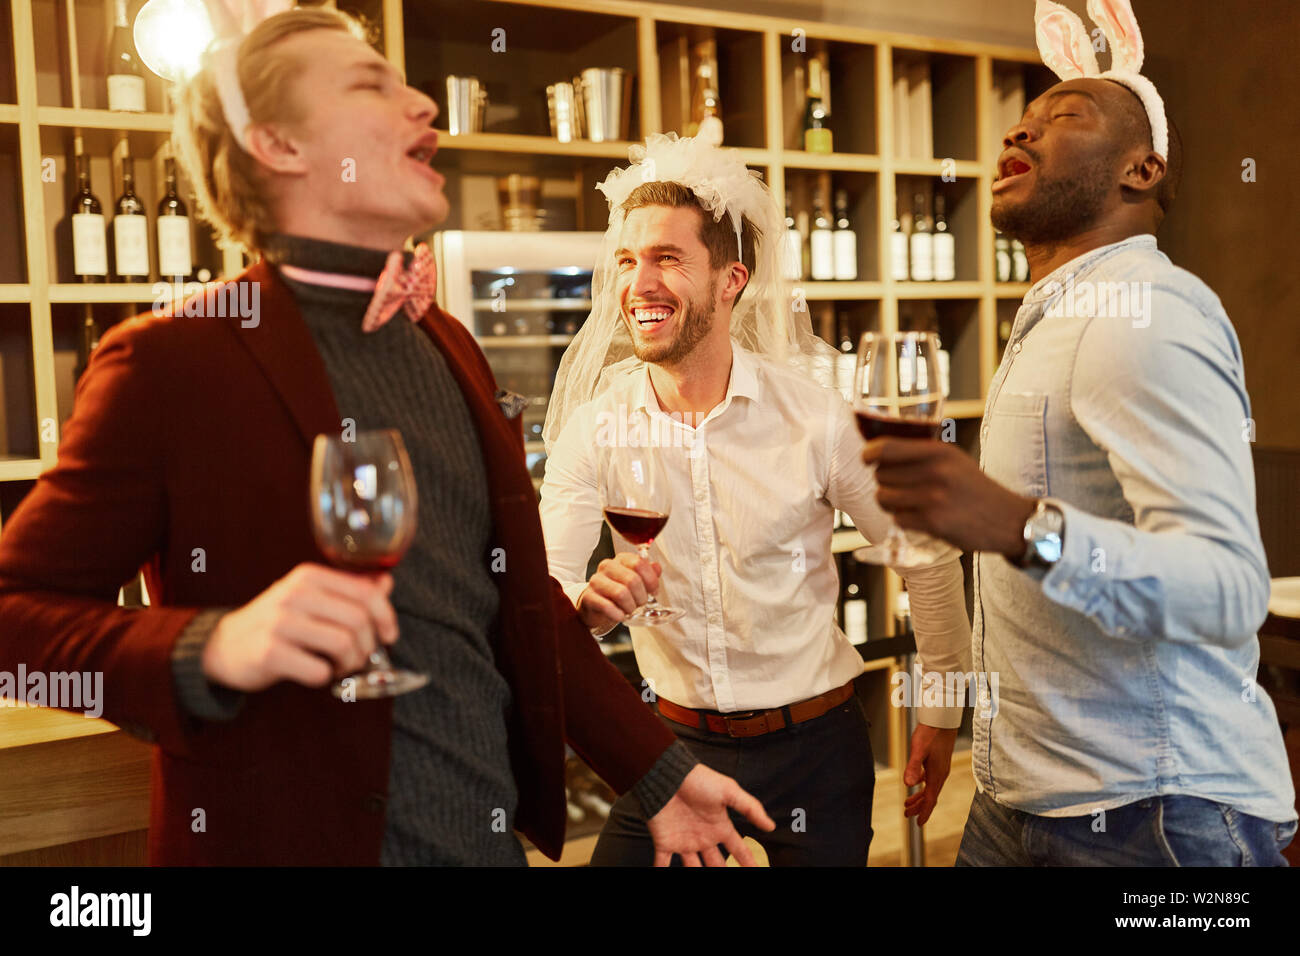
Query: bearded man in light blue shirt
{"points": [[1119, 575]]}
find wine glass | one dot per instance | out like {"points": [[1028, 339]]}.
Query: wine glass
{"points": [[896, 392], [363, 508], [636, 498]]}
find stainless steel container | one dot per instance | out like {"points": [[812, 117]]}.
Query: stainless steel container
{"points": [[607, 103], [466, 104]]}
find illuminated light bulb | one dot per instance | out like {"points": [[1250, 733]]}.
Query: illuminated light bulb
{"points": [[171, 35]]}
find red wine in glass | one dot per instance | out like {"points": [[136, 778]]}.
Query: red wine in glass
{"points": [[364, 562], [363, 509], [636, 498], [638, 526], [874, 426], [896, 394]]}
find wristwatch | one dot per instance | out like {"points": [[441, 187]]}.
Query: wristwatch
{"points": [[1044, 538]]}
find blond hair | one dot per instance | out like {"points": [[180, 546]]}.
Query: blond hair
{"points": [[225, 178]]}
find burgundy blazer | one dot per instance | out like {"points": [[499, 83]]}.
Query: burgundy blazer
{"points": [[188, 454]]}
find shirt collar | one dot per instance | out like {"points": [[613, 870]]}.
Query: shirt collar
{"points": [[742, 383], [1051, 284]]}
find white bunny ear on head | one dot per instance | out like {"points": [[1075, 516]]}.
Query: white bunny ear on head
{"points": [[1066, 48], [1120, 27], [1063, 41], [232, 20]]}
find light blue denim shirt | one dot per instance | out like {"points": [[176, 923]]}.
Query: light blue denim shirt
{"points": [[1128, 670]]}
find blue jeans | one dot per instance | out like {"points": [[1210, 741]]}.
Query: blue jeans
{"points": [[1160, 831]]}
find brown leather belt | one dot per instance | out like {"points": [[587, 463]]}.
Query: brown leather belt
{"points": [[753, 723]]}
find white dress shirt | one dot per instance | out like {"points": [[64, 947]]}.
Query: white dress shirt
{"points": [[746, 550]]}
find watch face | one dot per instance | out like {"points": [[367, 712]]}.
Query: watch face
{"points": [[1046, 530], [1048, 548]]}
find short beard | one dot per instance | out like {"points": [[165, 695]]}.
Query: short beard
{"points": [[1060, 208], [697, 319]]}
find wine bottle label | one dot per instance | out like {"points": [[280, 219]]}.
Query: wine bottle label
{"points": [[855, 621], [898, 256], [1003, 266], [906, 374], [89, 245], [846, 254], [823, 254], [922, 377], [817, 140], [922, 257], [174, 246], [945, 257], [794, 254], [845, 366], [131, 245], [945, 365], [1019, 266], [126, 92]]}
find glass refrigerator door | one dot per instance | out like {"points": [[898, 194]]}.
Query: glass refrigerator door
{"points": [[524, 319]]}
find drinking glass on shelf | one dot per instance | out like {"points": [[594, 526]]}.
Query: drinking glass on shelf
{"points": [[896, 391], [636, 498], [363, 508]]}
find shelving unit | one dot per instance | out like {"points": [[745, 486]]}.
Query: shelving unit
{"points": [[881, 83]]}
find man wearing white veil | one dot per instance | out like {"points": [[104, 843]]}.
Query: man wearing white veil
{"points": [[693, 338]]}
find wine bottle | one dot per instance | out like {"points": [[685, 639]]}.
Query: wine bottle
{"points": [[845, 240], [794, 244], [175, 254], [130, 228], [846, 362], [822, 242], [855, 614], [1019, 262], [706, 106], [89, 238], [125, 74], [87, 340], [1002, 258], [945, 246], [922, 244], [898, 252], [816, 117]]}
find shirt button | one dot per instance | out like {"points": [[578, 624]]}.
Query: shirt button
{"points": [[374, 802], [1015, 349]]}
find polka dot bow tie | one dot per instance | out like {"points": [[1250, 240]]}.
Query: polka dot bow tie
{"points": [[411, 288]]}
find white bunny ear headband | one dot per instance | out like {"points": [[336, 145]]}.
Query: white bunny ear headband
{"points": [[1066, 48], [232, 20]]}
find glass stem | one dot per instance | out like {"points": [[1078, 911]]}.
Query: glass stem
{"points": [[651, 601]]}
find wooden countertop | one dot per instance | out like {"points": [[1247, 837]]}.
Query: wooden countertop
{"points": [[65, 779]]}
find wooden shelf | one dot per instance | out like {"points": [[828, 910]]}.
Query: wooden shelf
{"points": [[523, 341], [961, 168], [542, 145], [1011, 290], [20, 469], [8, 113], [826, 291], [836, 162], [847, 540], [939, 290], [15, 293], [117, 292], [964, 408], [103, 119]]}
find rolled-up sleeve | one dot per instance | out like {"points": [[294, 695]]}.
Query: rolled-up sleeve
{"points": [[1167, 404], [936, 592]]}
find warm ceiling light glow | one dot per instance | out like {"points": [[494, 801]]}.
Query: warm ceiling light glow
{"points": [[171, 35]]}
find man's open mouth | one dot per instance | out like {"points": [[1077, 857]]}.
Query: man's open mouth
{"points": [[1012, 166], [651, 315]]}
